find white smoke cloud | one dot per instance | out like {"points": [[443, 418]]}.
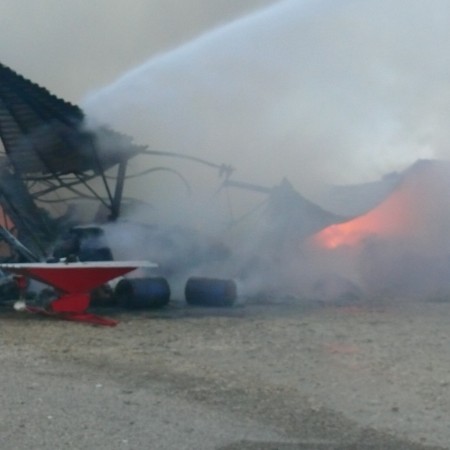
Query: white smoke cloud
{"points": [[318, 91]]}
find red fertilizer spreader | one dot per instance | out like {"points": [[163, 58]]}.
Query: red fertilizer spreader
{"points": [[73, 282]]}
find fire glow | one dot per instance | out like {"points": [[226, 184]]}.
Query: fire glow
{"points": [[391, 218]]}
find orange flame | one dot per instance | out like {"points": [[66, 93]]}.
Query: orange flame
{"points": [[392, 217]]}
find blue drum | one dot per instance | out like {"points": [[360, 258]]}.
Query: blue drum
{"points": [[210, 292], [142, 293]]}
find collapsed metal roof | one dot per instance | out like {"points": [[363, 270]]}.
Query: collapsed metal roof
{"points": [[47, 154], [44, 134]]}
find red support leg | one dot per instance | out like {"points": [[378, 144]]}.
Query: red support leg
{"points": [[73, 307], [70, 303]]}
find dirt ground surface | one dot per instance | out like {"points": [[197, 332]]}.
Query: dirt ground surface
{"points": [[278, 375]]}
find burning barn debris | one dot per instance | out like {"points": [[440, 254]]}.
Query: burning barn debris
{"points": [[62, 191], [51, 164], [48, 158], [396, 242]]}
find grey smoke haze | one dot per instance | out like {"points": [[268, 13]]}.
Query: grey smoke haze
{"points": [[318, 91]]}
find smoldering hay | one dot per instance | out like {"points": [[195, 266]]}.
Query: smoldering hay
{"points": [[400, 246], [317, 91]]}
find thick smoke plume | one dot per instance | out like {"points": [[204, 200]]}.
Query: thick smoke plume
{"points": [[321, 92], [313, 90]]}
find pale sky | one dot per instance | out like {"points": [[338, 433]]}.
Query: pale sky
{"points": [[73, 46]]}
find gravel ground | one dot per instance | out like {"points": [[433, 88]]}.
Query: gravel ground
{"points": [[279, 375]]}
